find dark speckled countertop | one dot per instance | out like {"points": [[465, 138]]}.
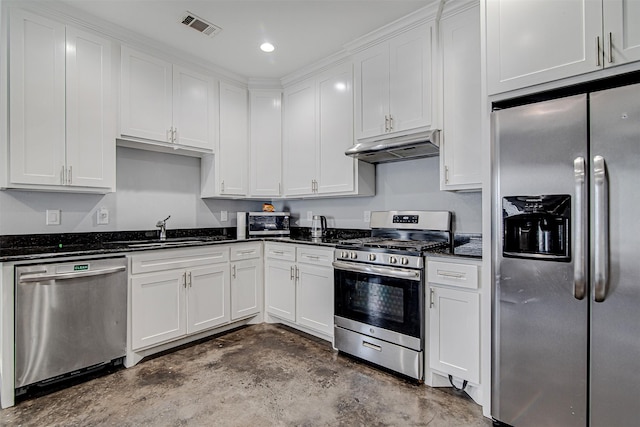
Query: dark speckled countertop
{"points": [[40, 246]]}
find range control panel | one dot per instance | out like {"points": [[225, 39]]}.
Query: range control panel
{"points": [[406, 219]]}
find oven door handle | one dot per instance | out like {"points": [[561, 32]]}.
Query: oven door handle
{"points": [[379, 271]]}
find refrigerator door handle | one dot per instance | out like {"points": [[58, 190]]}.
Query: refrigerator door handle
{"points": [[580, 227], [601, 230]]}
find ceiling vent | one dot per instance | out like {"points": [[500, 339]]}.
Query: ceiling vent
{"points": [[199, 24]]}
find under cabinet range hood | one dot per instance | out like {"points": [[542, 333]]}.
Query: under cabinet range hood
{"points": [[406, 147]]}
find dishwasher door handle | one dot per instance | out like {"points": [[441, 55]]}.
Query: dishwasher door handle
{"points": [[38, 277]]}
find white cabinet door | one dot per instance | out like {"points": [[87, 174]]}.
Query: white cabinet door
{"points": [[146, 99], [537, 41], [410, 91], [266, 143], [335, 95], [36, 99], [372, 91], [454, 333], [280, 289], [621, 31], [300, 139], [193, 108], [90, 112], [157, 308], [246, 288], [462, 101], [232, 158], [208, 298], [314, 308]]}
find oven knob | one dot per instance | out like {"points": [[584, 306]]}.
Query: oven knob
{"points": [[393, 260], [353, 255], [405, 261], [372, 257], [344, 254]]}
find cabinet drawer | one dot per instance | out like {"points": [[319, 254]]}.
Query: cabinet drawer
{"points": [[242, 251], [178, 258], [314, 255], [277, 251], [454, 274]]}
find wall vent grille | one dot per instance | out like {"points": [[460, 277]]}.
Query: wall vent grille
{"points": [[191, 20]]}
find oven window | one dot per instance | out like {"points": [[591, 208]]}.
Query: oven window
{"points": [[389, 303]]}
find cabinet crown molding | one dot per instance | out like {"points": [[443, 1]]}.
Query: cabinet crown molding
{"points": [[419, 17]]}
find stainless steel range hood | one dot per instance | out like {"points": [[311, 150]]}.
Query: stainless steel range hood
{"points": [[407, 147]]}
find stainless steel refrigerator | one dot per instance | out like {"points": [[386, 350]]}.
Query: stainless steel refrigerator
{"points": [[566, 301]]}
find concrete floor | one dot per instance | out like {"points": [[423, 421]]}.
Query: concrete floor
{"points": [[261, 375]]}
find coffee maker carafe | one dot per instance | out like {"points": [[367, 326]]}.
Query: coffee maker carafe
{"points": [[318, 226]]}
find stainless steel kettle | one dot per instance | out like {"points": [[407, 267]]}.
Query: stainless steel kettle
{"points": [[318, 226]]}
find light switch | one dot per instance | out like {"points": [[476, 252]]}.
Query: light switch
{"points": [[53, 216], [102, 216], [367, 216], [224, 216]]}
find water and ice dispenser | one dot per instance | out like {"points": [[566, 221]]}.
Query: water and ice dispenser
{"points": [[537, 227]]}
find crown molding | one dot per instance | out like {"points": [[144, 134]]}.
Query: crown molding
{"points": [[72, 16]]}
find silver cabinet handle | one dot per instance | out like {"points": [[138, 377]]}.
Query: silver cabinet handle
{"points": [[292, 273], [610, 48], [580, 229], [598, 51], [431, 297], [450, 274], [278, 252], [390, 123], [233, 269], [297, 273], [189, 278], [170, 134], [222, 187], [38, 277], [175, 135], [70, 177], [601, 230], [446, 174], [63, 175], [386, 123]]}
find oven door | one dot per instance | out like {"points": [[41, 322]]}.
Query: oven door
{"points": [[384, 297]]}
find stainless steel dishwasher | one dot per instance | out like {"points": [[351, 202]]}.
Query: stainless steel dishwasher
{"points": [[69, 316]]}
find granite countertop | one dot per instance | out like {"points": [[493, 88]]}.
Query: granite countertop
{"points": [[41, 246]]}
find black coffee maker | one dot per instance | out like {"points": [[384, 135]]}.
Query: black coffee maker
{"points": [[537, 227]]}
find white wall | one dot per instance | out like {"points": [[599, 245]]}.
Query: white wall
{"points": [[407, 185], [150, 186]]}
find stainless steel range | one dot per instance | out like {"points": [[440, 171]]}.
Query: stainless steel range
{"points": [[380, 289]]}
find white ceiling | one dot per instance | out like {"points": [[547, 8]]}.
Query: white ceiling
{"points": [[303, 31]]}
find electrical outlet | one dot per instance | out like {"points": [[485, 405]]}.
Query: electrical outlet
{"points": [[309, 215], [53, 216], [224, 216], [367, 216], [102, 216]]}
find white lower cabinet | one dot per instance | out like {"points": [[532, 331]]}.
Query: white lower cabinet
{"points": [[246, 280], [454, 320], [178, 292], [299, 286]]}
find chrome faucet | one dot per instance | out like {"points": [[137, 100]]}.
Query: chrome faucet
{"points": [[162, 224]]}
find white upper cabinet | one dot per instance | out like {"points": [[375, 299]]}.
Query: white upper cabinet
{"points": [[460, 149], [62, 121], [233, 154], [537, 41], [393, 88], [318, 129], [299, 145], [265, 142], [164, 104]]}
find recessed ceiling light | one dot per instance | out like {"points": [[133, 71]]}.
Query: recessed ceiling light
{"points": [[267, 47]]}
